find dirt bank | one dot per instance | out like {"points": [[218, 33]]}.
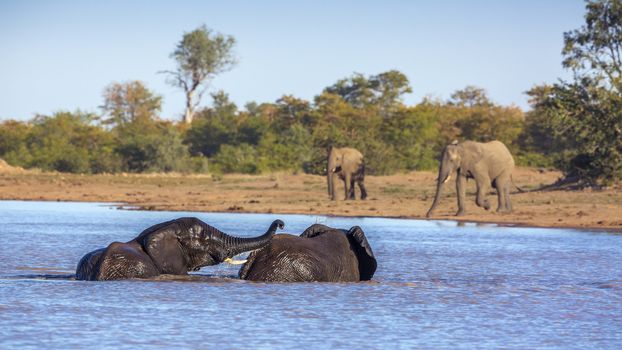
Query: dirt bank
{"points": [[405, 195]]}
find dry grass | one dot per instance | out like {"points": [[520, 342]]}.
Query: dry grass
{"points": [[404, 195]]}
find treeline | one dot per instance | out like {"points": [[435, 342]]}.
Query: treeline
{"points": [[574, 125], [365, 112]]}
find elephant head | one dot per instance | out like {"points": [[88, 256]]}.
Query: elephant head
{"points": [[172, 247], [194, 244], [450, 162]]}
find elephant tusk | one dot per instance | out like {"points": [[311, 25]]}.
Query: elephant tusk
{"points": [[235, 262], [447, 179]]}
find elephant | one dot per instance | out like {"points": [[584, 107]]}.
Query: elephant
{"points": [[319, 254], [172, 247], [490, 164], [349, 164]]}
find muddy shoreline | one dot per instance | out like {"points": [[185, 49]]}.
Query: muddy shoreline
{"points": [[406, 196]]}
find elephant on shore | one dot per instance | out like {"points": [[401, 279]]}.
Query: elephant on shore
{"points": [[349, 165], [490, 164], [173, 247], [319, 254]]}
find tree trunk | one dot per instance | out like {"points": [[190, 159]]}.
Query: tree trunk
{"points": [[188, 117]]}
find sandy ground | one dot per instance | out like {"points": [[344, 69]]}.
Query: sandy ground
{"points": [[404, 195]]}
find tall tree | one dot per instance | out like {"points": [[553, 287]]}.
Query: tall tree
{"points": [[588, 109], [200, 56], [470, 96], [595, 49], [384, 90], [130, 102], [389, 87]]}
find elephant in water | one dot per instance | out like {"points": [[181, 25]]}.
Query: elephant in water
{"points": [[490, 164], [173, 247], [319, 254], [349, 165]]}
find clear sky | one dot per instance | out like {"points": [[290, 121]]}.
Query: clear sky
{"points": [[60, 55]]}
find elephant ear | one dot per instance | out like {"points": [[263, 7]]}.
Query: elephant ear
{"points": [[162, 244], [315, 230], [366, 258], [87, 266]]}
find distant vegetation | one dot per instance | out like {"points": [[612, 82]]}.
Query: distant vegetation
{"points": [[575, 126], [290, 134]]}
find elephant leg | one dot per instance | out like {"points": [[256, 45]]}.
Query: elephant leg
{"points": [[508, 202], [500, 199], [503, 186], [483, 184], [362, 188], [351, 193], [460, 193], [506, 194], [346, 183]]}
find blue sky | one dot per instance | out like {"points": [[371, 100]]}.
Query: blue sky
{"points": [[60, 55]]}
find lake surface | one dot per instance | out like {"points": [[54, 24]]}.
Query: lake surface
{"points": [[438, 285]]}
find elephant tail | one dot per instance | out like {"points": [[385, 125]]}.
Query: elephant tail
{"points": [[518, 188]]}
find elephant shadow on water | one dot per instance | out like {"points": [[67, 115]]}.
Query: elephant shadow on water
{"points": [[167, 251]]}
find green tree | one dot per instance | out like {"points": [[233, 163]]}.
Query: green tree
{"points": [[412, 132], [213, 127], [152, 146], [594, 50], [129, 102], [69, 142], [540, 144], [200, 55], [390, 87], [13, 136], [471, 115], [587, 110], [236, 159], [287, 150], [291, 110], [470, 96], [384, 90]]}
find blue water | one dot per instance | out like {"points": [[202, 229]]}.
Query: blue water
{"points": [[438, 285]]}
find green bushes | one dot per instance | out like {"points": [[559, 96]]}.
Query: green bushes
{"points": [[152, 147], [291, 134], [71, 142], [236, 159], [64, 142]]}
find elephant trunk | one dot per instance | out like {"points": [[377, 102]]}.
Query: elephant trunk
{"points": [[237, 245], [329, 178], [444, 175]]}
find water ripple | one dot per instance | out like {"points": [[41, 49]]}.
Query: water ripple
{"points": [[437, 286]]}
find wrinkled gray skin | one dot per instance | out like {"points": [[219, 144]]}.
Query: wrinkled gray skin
{"points": [[173, 247], [349, 165], [490, 164], [319, 254]]}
